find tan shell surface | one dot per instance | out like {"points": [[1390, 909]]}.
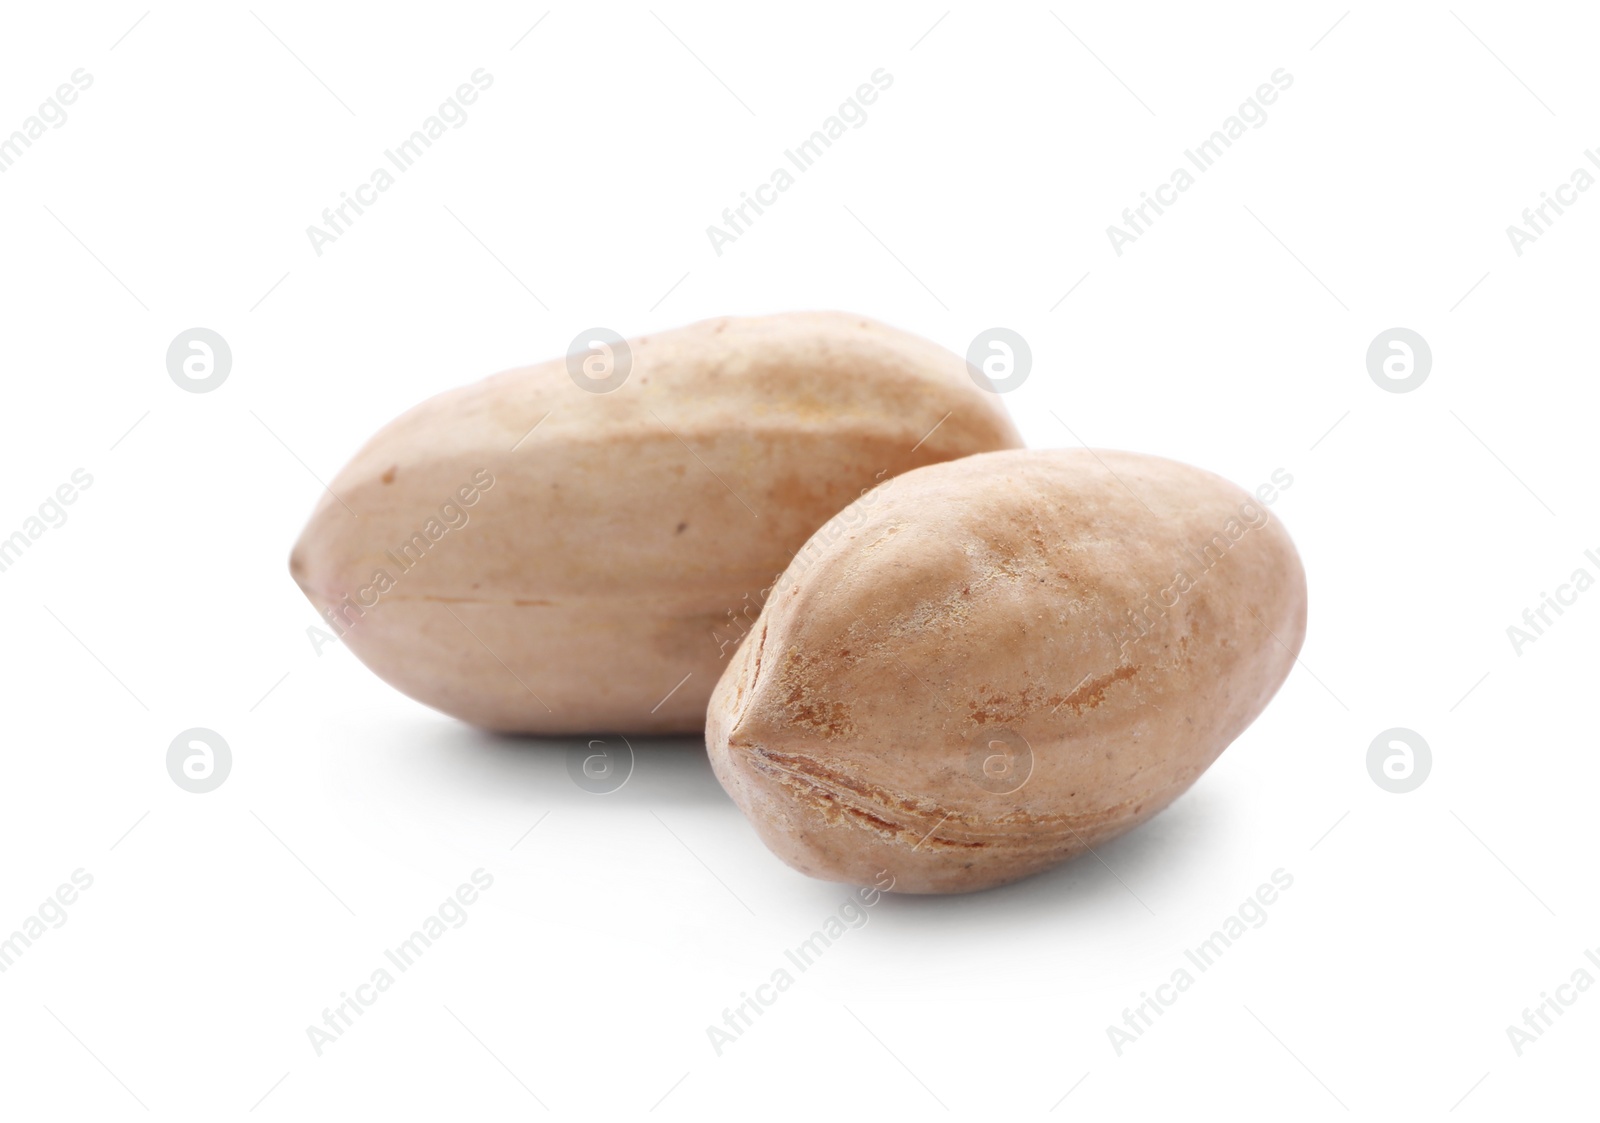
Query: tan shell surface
{"points": [[623, 539], [958, 691]]}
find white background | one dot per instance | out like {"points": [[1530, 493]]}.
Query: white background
{"points": [[1232, 335]]}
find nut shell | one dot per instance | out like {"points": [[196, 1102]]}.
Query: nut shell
{"points": [[624, 539], [1003, 661]]}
